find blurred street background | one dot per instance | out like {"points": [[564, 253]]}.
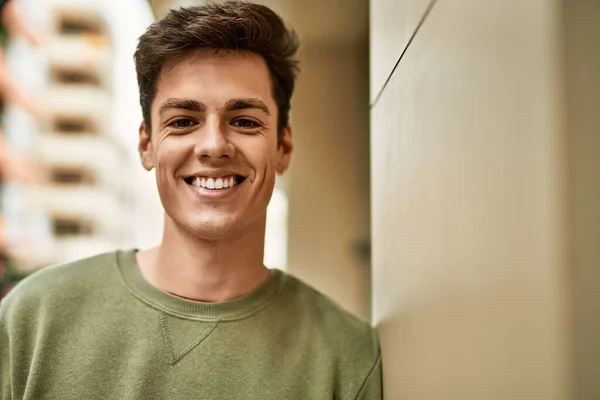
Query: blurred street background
{"points": [[445, 182], [70, 184]]}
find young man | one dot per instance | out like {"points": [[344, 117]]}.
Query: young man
{"points": [[200, 316]]}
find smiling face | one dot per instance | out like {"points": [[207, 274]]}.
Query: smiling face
{"points": [[213, 143]]}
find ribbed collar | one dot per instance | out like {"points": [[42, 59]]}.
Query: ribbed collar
{"points": [[198, 310]]}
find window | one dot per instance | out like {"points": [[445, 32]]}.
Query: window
{"points": [[73, 125], [71, 227]]}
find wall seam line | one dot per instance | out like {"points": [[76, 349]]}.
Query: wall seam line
{"points": [[423, 18]]}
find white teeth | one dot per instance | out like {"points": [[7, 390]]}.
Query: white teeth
{"points": [[215, 183]]}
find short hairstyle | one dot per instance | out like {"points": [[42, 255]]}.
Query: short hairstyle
{"points": [[232, 25]]}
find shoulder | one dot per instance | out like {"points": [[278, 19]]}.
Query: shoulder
{"points": [[54, 283], [348, 344], [331, 321]]}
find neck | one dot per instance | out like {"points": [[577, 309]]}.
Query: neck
{"points": [[206, 270]]}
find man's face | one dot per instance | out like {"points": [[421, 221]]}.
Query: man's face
{"points": [[214, 142]]}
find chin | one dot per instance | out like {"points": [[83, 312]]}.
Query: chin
{"points": [[214, 229], [216, 224]]}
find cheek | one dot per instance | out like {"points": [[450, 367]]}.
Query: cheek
{"points": [[169, 158], [268, 171], [265, 164]]}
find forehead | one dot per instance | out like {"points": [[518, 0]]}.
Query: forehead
{"points": [[215, 77]]}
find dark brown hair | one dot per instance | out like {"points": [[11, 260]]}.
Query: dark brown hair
{"points": [[232, 25]]}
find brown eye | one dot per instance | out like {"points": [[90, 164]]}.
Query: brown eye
{"points": [[183, 123], [245, 123]]}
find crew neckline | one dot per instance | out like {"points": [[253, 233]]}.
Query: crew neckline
{"points": [[239, 308]]}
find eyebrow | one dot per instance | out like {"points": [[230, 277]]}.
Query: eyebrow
{"points": [[197, 106], [246, 103], [182, 104]]}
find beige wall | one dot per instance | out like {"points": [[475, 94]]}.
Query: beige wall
{"points": [[485, 200], [328, 185], [582, 100]]}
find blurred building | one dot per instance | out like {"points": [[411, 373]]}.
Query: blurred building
{"points": [[88, 196], [83, 192]]}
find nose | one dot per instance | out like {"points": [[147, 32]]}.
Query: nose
{"points": [[212, 141]]}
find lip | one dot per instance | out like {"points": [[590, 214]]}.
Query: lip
{"points": [[214, 174], [212, 194]]}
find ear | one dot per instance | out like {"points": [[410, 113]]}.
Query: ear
{"points": [[285, 150], [145, 147]]}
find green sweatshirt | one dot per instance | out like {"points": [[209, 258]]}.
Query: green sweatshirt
{"points": [[96, 329]]}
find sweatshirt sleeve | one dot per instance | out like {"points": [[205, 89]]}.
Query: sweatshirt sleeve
{"points": [[372, 387], [5, 390]]}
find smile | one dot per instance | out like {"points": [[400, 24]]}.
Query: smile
{"points": [[214, 183]]}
